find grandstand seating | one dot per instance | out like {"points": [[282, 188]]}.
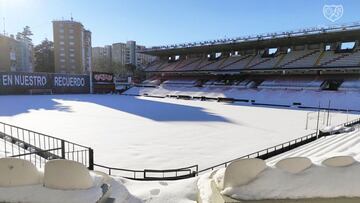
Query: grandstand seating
{"points": [[353, 84], [307, 60], [246, 84], [293, 59], [264, 63], [155, 66], [236, 62], [215, 65], [205, 63], [150, 83], [180, 83], [220, 83], [186, 62], [191, 64], [344, 59], [300, 58], [171, 66], [289, 83], [208, 83]]}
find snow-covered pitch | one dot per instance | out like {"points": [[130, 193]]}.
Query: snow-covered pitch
{"points": [[139, 132]]}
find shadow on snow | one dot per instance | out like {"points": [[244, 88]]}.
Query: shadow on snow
{"points": [[154, 110]]}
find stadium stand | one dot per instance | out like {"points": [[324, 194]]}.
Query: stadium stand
{"points": [[215, 64], [236, 62], [171, 66], [353, 84], [304, 67], [291, 83], [150, 83], [192, 64], [350, 59], [179, 83], [307, 59], [266, 63]]}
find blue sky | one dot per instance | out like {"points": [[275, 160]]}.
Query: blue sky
{"points": [[161, 22]]}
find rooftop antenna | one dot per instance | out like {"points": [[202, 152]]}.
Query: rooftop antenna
{"points": [[72, 19]]}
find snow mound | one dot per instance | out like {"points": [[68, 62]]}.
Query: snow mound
{"points": [[243, 171], [315, 182], [294, 164], [40, 194], [18, 172], [339, 161], [296, 177]]}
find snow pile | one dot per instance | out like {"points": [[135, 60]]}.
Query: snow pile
{"points": [[120, 193], [318, 181], [315, 182], [209, 185], [40, 194]]}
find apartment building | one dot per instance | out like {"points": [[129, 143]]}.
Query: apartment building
{"points": [[16, 55], [100, 54], [72, 47]]}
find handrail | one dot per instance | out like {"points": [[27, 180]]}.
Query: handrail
{"points": [[258, 153], [42, 134], [30, 153], [39, 145], [120, 169], [190, 171], [282, 145]]}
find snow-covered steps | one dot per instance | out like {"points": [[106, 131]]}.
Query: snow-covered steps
{"points": [[326, 170], [334, 145]]}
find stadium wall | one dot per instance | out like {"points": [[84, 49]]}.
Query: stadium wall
{"points": [[40, 83]]}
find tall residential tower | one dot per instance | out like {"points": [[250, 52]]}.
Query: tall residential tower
{"points": [[72, 47]]}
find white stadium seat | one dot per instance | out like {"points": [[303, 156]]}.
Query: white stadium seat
{"points": [[294, 164], [66, 175], [339, 161], [18, 172], [242, 171]]}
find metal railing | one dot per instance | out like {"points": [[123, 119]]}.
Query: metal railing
{"points": [[280, 148], [151, 174], [268, 152], [352, 123], [38, 148]]}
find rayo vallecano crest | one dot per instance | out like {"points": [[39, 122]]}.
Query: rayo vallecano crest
{"points": [[333, 12]]}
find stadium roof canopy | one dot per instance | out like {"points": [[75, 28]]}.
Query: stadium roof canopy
{"points": [[331, 34]]}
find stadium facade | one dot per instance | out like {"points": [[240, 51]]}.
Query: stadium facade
{"points": [[310, 61]]}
